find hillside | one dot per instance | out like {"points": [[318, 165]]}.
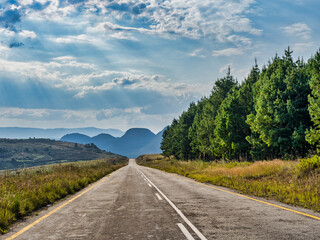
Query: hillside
{"points": [[33, 152], [53, 133], [135, 142]]}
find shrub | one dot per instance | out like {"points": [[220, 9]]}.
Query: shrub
{"points": [[308, 165]]}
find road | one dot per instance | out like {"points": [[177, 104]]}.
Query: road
{"points": [[136, 202]]}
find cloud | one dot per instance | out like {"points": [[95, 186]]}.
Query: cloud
{"points": [[111, 27], [193, 19], [197, 53], [82, 38], [301, 47], [117, 112], [27, 34], [64, 82], [123, 36], [134, 82], [118, 118], [227, 52], [301, 30], [225, 68]]}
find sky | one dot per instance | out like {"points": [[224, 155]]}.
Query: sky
{"points": [[136, 63]]}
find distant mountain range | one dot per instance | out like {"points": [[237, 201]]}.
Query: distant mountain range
{"points": [[135, 142], [53, 133]]}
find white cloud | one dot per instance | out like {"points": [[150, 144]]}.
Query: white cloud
{"points": [[83, 38], [64, 58], [156, 83], [118, 118], [124, 36], [219, 19], [197, 53], [6, 32], [301, 47], [27, 34], [301, 30], [227, 52], [225, 68]]}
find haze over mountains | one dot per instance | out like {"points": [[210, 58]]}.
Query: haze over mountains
{"points": [[53, 133], [135, 142], [132, 143]]}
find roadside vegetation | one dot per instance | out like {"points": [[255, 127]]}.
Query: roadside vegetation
{"points": [[292, 182], [25, 191], [273, 113]]}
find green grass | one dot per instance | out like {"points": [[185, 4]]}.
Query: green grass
{"points": [[292, 182], [23, 192]]}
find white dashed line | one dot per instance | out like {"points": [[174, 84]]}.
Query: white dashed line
{"points": [[185, 231], [158, 196], [149, 185], [196, 231]]}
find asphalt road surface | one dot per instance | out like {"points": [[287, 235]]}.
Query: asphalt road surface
{"points": [[142, 203]]}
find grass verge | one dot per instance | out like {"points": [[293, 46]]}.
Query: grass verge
{"points": [[292, 182], [22, 192]]}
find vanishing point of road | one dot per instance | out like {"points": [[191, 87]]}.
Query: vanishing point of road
{"points": [[140, 203]]}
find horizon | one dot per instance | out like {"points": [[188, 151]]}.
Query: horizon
{"points": [[138, 63], [77, 128]]}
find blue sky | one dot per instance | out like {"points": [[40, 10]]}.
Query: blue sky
{"points": [[135, 63]]}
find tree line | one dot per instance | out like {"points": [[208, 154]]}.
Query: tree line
{"points": [[273, 113]]}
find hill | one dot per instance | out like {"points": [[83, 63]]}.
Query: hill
{"points": [[53, 133], [18, 153], [135, 142]]}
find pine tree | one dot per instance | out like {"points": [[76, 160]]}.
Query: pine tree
{"points": [[313, 135], [206, 126], [231, 128]]}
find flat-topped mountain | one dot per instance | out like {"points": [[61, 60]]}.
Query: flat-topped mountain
{"points": [[135, 142]]}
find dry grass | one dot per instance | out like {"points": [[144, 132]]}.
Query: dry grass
{"points": [[279, 180], [23, 192]]}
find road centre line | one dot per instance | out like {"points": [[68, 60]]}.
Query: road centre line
{"points": [[200, 235], [17, 234], [244, 196], [185, 231], [158, 196]]}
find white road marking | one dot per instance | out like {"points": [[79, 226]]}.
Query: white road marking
{"points": [[149, 185], [158, 196], [200, 235], [185, 231]]}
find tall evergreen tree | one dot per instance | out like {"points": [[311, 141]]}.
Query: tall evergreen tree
{"points": [[231, 128], [206, 126], [280, 108], [265, 117], [313, 136]]}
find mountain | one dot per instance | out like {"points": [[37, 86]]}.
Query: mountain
{"points": [[76, 138], [53, 133], [20, 153], [135, 142]]}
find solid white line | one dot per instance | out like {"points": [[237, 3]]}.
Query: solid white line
{"points": [[149, 185], [177, 210], [185, 231], [158, 196]]}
